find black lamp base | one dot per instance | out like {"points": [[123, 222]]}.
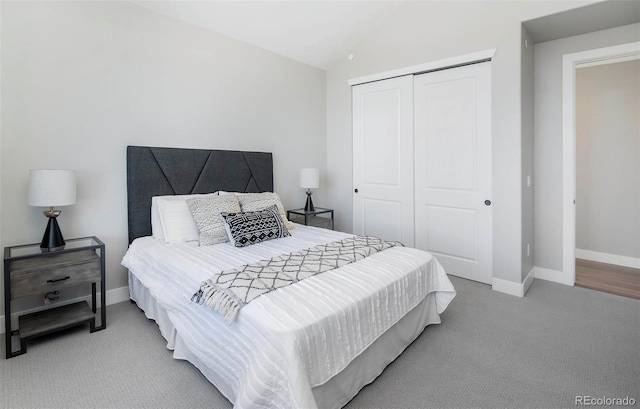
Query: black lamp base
{"points": [[52, 239], [308, 207]]}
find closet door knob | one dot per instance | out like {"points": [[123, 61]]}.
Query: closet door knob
{"points": [[355, 190], [487, 202]]}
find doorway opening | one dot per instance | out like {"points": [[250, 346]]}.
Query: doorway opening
{"points": [[601, 150]]}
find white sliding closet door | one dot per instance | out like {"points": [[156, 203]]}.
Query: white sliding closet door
{"points": [[382, 162], [453, 216]]}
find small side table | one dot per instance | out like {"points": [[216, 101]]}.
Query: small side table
{"points": [[30, 271], [320, 217]]}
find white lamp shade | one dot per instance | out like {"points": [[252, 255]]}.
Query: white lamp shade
{"points": [[309, 178], [49, 187]]}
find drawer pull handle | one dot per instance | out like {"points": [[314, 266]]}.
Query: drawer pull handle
{"points": [[59, 279]]}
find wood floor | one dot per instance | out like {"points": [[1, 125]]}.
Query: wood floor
{"points": [[608, 278]]}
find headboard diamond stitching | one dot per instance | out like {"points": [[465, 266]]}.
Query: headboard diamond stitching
{"points": [[180, 167], [153, 171]]}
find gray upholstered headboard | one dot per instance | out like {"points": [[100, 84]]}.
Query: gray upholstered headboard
{"points": [[173, 171]]}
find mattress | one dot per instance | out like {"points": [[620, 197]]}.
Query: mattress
{"points": [[285, 345]]}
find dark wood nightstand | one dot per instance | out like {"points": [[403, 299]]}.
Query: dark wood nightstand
{"points": [[320, 217], [30, 271]]}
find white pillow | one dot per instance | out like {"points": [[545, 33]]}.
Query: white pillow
{"points": [[222, 193], [179, 220]]}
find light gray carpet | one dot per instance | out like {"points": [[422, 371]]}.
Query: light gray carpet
{"points": [[491, 351]]}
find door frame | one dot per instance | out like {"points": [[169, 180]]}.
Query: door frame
{"points": [[570, 62]]}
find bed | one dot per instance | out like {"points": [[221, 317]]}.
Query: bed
{"points": [[313, 344]]}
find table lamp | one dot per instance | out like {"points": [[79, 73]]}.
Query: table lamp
{"points": [[309, 179], [51, 188]]}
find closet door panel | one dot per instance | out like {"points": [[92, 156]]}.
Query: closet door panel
{"points": [[452, 231], [453, 169], [452, 164], [383, 159], [382, 218]]}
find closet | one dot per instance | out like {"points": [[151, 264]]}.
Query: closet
{"points": [[422, 165]]}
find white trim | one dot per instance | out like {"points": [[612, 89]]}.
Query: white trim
{"points": [[608, 258], [569, 64], [568, 171], [117, 295], [554, 276], [113, 297], [430, 66], [511, 288], [623, 58]]}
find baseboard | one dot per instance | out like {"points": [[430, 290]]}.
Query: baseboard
{"points": [[117, 295], [113, 297], [511, 288], [608, 258], [550, 275]]}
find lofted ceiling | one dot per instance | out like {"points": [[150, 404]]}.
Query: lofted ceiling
{"points": [[320, 32], [313, 32]]}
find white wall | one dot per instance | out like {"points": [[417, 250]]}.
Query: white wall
{"points": [[419, 32], [548, 221], [608, 158], [527, 98], [82, 80]]}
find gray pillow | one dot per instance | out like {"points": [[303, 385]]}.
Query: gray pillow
{"points": [[246, 228], [206, 213], [251, 202]]}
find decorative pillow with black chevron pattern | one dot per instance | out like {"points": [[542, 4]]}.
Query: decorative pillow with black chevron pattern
{"points": [[246, 228]]}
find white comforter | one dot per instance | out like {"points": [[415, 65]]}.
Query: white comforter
{"points": [[290, 340]]}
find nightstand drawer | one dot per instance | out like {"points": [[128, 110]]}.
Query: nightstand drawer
{"points": [[31, 276]]}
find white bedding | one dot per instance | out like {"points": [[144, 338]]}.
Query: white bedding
{"points": [[298, 337]]}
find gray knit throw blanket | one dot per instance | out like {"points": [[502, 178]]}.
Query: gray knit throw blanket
{"points": [[231, 290]]}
